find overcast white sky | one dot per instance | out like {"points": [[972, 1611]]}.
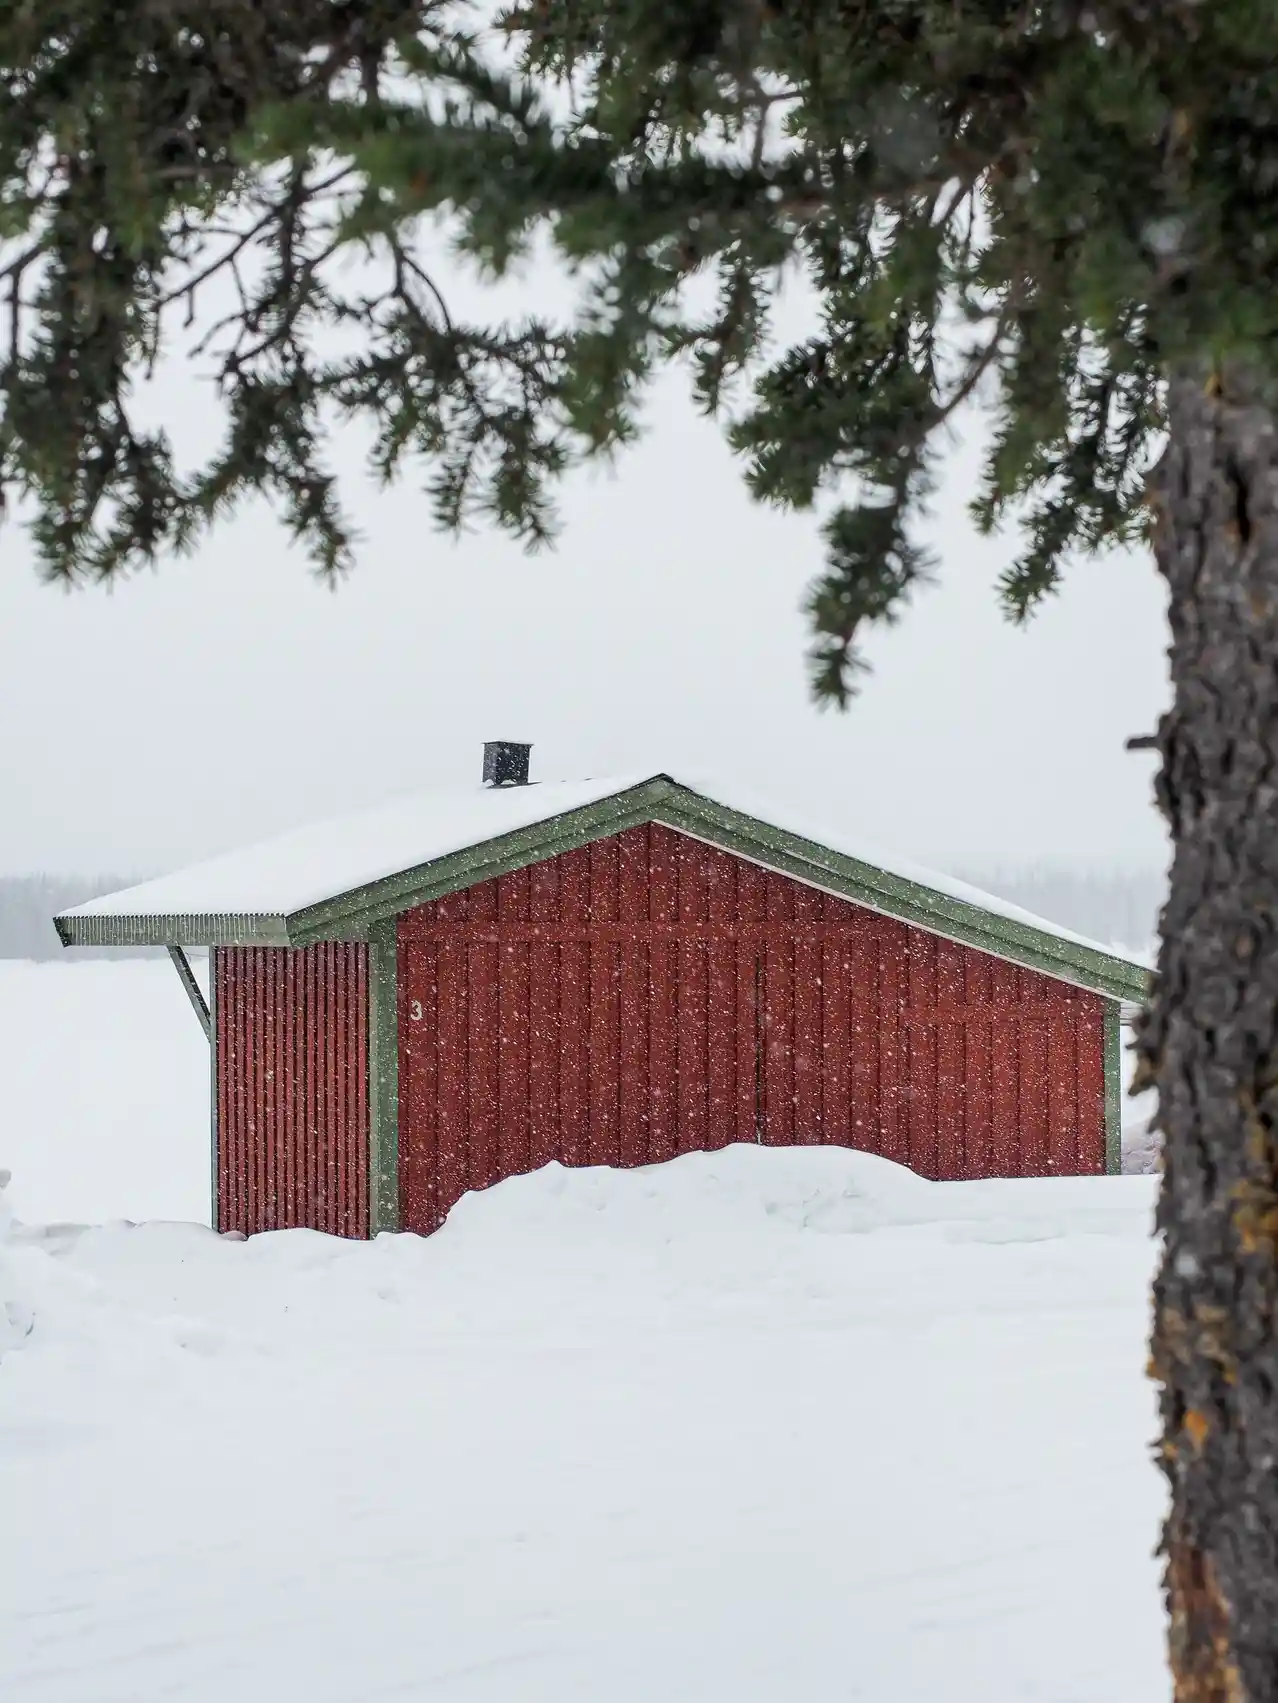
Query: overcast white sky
{"points": [[229, 696]]}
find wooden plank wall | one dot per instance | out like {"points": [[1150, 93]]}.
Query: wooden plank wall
{"points": [[649, 995]]}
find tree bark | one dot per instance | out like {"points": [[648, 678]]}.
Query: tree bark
{"points": [[1210, 1041]]}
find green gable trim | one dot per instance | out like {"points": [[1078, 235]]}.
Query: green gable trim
{"points": [[352, 914], [1113, 1090], [908, 901], [357, 914], [383, 1071], [663, 800]]}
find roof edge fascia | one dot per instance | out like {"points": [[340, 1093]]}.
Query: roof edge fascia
{"points": [[203, 928]]}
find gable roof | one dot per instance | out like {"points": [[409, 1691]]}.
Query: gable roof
{"points": [[338, 880]]}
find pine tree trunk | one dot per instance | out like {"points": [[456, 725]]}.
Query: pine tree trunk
{"points": [[1210, 1042]]}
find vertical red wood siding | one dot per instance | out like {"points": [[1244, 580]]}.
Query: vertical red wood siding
{"points": [[292, 1088], [649, 995]]}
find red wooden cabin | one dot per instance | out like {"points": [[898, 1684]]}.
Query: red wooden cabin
{"points": [[431, 999]]}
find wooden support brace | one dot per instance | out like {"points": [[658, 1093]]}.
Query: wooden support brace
{"points": [[182, 964]]}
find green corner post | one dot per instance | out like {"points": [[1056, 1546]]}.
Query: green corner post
{"points": [[1113, 1088], [383, 1070]]}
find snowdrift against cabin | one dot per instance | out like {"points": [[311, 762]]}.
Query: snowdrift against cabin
{"points": [[419, 1002]]}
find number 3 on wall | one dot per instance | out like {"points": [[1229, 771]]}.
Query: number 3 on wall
{"points": [[414, 1010]]}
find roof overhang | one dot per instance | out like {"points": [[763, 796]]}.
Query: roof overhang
{"points": [[205, 928], [363, 911]]}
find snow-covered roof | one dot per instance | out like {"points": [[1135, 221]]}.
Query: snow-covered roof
{"points": [[295, 872], [320, 861]]}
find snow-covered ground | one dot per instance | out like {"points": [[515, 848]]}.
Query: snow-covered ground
{"points": [[751, 1426], [105, 1092]]}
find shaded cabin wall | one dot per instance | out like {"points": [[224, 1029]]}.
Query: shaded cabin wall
{"points": [[291, 1088], [649, 995]]}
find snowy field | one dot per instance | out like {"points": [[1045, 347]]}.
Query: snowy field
{"points": [[752, 1426]]}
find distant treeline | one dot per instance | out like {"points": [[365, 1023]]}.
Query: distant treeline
{"points": [[29, 903], [1114, 908]]}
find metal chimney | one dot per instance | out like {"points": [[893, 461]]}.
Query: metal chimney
{"points": [[505, 763]]}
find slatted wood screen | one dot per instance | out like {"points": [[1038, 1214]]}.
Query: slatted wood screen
{"points": [[291, 1060]]}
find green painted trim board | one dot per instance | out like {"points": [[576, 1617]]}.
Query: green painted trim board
{"points": [[205, 928], [1113, 1089], [350, 915], [383, 1070]]}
